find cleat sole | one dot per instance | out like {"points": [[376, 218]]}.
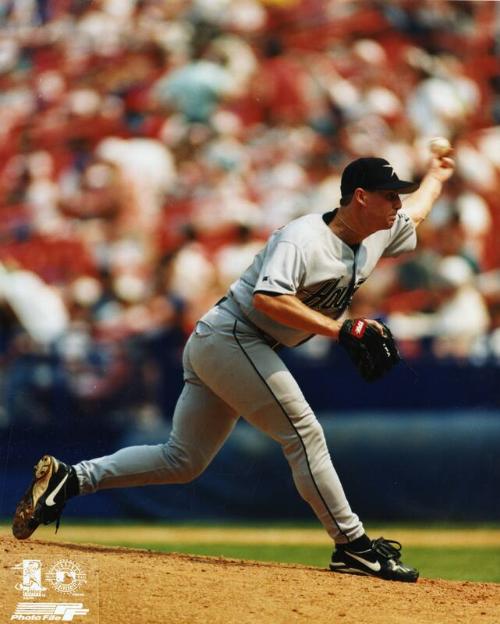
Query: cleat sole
{"points": [[24, 523]]}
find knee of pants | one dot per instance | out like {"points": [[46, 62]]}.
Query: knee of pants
{"points": [[183, 465], [306, 442]]}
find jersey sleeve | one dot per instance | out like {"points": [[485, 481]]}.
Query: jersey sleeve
{"points": [[403, 236], [282, 270]]}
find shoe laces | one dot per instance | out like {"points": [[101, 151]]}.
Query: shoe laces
{"points": [[58, 519], [388, 549]]}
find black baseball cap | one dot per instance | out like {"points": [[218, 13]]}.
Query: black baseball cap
{"points": [[373, 174]]}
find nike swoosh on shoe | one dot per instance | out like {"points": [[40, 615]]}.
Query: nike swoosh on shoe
{"points": [[50, 500], [374, 566]]}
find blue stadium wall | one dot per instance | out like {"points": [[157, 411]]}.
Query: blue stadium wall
{"points": [[421, 445]]}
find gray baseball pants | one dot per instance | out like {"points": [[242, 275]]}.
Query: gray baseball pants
{"points": [[231, 371]]}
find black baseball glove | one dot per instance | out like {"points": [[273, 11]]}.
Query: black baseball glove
{"points": [[373, 354]]}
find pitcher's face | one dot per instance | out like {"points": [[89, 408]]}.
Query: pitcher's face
{"points": [[380, 209]]}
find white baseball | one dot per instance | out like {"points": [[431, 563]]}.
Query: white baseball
{"points": [[440, 146]]}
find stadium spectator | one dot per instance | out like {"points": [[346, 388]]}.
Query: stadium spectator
{"points": [[126, 125]]}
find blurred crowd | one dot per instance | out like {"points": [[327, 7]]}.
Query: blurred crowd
{"points": [[149, 147]]}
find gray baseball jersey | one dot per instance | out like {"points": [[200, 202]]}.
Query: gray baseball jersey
{"points": [[306, 259], [232, 370]]}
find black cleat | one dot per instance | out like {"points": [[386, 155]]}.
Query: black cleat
{"points": [[382, 559], [45, 498]]}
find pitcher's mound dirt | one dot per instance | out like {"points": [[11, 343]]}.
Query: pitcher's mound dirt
{"points": [[142, 587]]}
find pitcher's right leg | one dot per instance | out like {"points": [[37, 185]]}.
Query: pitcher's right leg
{"points": [[201, 424]]}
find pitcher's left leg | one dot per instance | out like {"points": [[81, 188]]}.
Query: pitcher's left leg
{"points": [[250, 377], [286, 416]]}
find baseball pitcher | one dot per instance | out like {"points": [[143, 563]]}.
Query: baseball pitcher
{"points": [[299, 285]]}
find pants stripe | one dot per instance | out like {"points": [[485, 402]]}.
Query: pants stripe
{"points": [[293, 427]]}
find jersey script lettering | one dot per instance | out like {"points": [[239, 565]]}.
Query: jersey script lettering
{"points": [[326, 294]]}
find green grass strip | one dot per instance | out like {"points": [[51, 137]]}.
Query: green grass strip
{"points": [[459, 564]]}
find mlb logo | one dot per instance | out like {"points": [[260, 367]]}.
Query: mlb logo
{"points": [[65, 576]]}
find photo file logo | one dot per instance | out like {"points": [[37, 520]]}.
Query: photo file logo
{"points": [[48, 611], [64, 576]]}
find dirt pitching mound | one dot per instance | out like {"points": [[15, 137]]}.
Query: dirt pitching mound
{"points": [[144, 587]]}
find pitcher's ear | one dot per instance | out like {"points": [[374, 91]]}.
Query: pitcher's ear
{"points": [[360, 195]]}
